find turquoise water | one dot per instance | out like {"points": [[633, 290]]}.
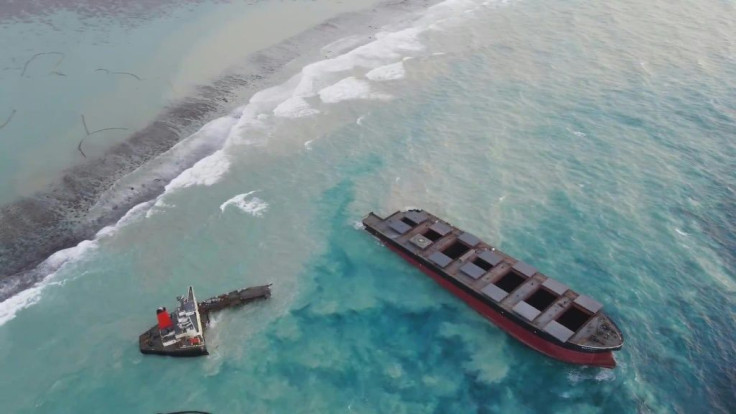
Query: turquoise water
{"points": [[591, 139]]}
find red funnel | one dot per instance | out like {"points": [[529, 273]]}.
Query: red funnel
{"points": [[164, 320]]}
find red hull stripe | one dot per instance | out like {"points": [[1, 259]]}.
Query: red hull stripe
{"points": [[602, 359]]}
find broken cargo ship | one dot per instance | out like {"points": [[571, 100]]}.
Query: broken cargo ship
{"points": [[539, 311], [181, 333]]}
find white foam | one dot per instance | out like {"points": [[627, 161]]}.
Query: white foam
{"points": [[295, 107], [57, 261], [393, 71], [388, 47], [129, 217], [159, 206], [308, 145], [348, 89], [206, 171], [250, 123], [275, 94], [9, 307], [588, 374], [575, 376], [605, 375], [255, 206], [235, 200], [285, 100]]}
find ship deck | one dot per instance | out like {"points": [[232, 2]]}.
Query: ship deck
{"points": [[235, 298], [542, 304], [191, 318], [150, 342]]}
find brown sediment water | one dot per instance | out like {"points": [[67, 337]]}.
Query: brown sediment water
{"points": [[71, 209]]}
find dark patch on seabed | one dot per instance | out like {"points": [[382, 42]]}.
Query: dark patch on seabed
{"points": [[413, 337], [60, 217]]}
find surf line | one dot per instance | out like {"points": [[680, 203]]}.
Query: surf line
{"points": [[159, 140], [81, 141]]}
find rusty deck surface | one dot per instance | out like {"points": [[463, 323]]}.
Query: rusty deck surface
{"points": [[233, 299]]}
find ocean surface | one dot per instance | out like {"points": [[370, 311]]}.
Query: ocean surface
{"points": [[592, 139]]}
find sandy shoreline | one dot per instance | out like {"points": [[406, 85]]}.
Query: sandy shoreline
{"points": [[85, 199]]}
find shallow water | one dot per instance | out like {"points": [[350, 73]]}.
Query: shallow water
{"points": [[591, 139], [119, 67]]}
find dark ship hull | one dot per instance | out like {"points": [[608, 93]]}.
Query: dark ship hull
{"points": [[150, 343], [603, 359], [495, 311], [181, 333]]}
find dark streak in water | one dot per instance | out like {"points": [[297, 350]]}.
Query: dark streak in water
{"points": [[108, 129], [117, 73], [28, 62], [86, 130], [84, 123], [84, 199], [10, 118], [79, 147]]}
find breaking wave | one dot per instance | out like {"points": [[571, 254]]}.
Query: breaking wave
{"points": [[253, 206], [57, 261], [202, 159], [393, 71], [325, 80]]}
